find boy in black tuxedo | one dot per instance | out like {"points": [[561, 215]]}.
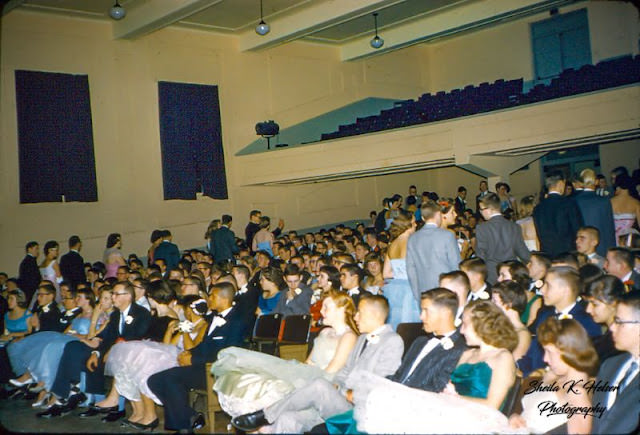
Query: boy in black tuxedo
{"points": [[227, 327]]}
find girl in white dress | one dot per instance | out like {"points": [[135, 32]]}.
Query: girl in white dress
{"points": [[248, 381]]}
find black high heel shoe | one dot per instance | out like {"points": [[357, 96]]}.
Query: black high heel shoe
{"points": [[150, 427]]}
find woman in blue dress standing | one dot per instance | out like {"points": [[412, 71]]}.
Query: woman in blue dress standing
{"points": [[403, 306]]}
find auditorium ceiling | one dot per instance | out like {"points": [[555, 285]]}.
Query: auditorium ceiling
{"points": [[345, 23]]}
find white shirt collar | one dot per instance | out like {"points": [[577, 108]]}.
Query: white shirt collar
{"points": [[627, 277], [242, 290], [566, 310], [495, 214], [551, 192], [125, 313], [430, 224]]}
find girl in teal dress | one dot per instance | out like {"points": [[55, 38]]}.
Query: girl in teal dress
{"points": [[484, 375]]}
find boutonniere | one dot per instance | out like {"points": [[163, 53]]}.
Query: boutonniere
{"points": [[373, 338], [185, 326], [128, 320], [45, 309], [538, 284], [446, 343], [457, 322], [629, 282], [565, 316], [484, 295], [69, 313], [219, 321], [297, 291]]}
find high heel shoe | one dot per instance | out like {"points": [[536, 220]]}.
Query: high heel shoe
{"points": [[42, 402], [150, 427], [17, 383]]}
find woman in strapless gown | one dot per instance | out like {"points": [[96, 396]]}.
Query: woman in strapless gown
{"points": [[529, 233], [263, 239], [403, 306], [478, 387], [49, 268], [626, 210], [112, 256], [247, 381]]}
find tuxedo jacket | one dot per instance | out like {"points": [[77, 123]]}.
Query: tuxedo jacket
{"points": [[498, 240], [300, 304], [169, 252], [460, 205], [246, 304], [434, 371], [72, 268], [635, 279], [624, 415], [68, 316], [29, 276], [232, 333], [533, 359], [135, 330], [430, 252], [381, 357], [357, 296], [50, 321], [223, 244], [597, 212], [557, 219]]}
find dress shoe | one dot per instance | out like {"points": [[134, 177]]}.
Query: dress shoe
{"points": [[250, 422], [198, 421], [42, 402], [150, 427], [17, 383], [91, 412], [74, 400], [54, 411], [113, 416]]}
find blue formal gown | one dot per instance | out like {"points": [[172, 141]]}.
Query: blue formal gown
{"points": [[40, 353], [403, 306], [469, 380]]}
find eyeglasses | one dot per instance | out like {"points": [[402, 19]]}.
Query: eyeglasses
{"points": [[617, 321], [120, 294]]}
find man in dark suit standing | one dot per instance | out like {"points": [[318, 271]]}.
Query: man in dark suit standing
{"points": [[622, 405], [596, 211], [430, 360], [498, 239], [223, 241], [557, 218], [380, 223], [29, 276], [72, 263], [128, 322], [227, 328], [460, 203], [484, 191], [168, 251]]}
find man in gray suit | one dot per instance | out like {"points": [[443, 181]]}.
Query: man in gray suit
{"points": [[622, 371], [498, 239], [430, 251], [377, 350]]}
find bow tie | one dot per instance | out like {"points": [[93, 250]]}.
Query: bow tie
{"points": [[562, 316]]}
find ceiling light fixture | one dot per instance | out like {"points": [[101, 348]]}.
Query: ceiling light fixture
{"points": [[117, 12], [376, 42], [262, 28]]}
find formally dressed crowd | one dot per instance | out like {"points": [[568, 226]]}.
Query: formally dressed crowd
{"points": [[521, 315]]}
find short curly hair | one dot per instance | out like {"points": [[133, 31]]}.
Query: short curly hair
{"points": [[572, 341], [492, 325]]}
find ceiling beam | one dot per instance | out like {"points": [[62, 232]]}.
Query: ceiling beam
{"points": [[11, 5], [448, 22], [313, 18], [152, 16]]}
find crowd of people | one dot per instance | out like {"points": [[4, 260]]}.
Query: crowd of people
{"points": [[542, 293]]}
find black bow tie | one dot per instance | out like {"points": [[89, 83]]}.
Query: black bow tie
{"points": [[439, 337]]}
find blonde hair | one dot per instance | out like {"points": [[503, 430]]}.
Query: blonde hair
{"points": [[343, 299], [492, 325], [526, 206]]}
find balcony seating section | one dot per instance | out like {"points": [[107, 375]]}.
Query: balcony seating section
{"points": [[501, 94]]}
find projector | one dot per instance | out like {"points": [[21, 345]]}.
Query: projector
{"points": [[267, 128]]}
